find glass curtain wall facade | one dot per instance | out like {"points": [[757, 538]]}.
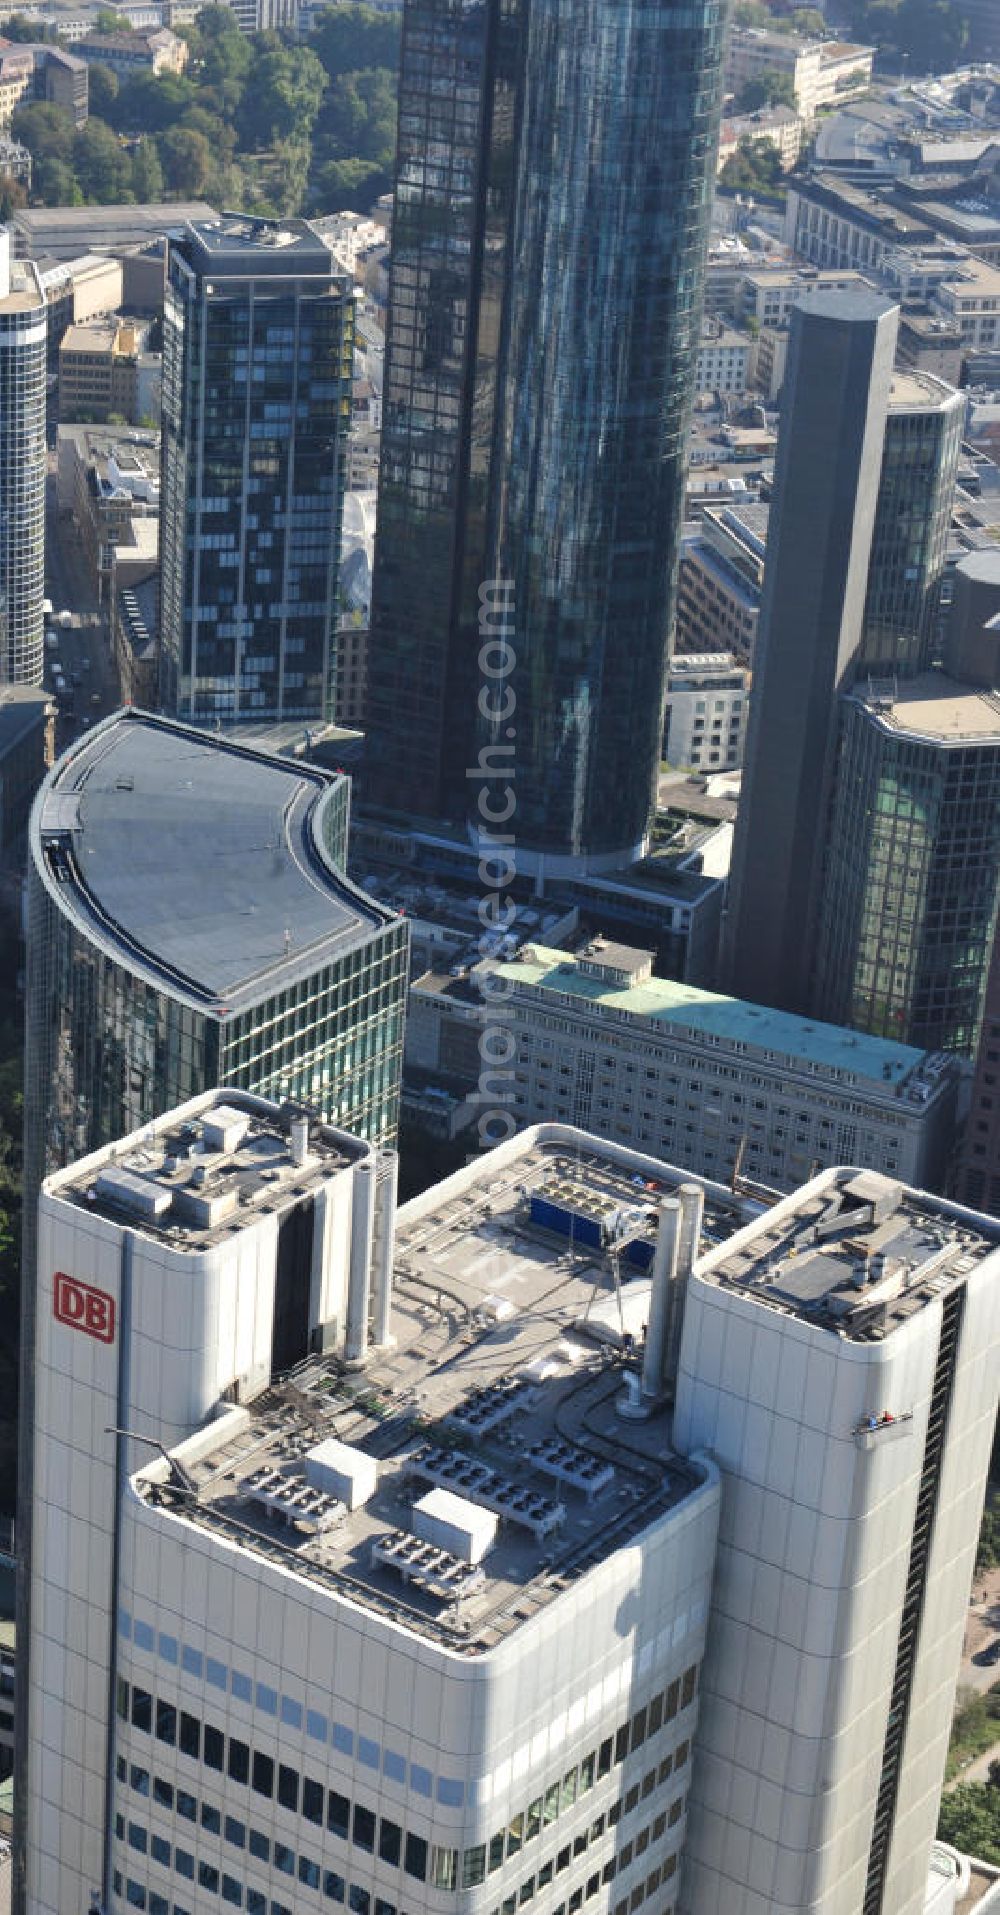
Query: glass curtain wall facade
{"points": [[923, 439], [257, 375], [977, 1180], [23, 339], [553, 191], [911, 883], [108, 1051]]}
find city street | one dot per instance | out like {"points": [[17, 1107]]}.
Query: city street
{"points": [[84, 648], [981, 1631]]}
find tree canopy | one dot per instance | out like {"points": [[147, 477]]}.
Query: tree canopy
{"points": [[769, 88], [353, 37], [755, 167], [263, 122], [929, 34], [970, 1818]]}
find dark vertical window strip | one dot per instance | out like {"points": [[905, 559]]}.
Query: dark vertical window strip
{"points": [[913, 1601]]}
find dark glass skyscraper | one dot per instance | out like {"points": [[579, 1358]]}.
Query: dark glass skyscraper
{"points": [[257, 369], [923, 439], [912, 865], [553, 189]]}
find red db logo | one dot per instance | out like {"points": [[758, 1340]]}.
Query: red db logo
{"points": [[84, 1308]]}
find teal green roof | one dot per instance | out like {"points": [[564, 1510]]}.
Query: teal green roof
{"points": [[687, 1010]]}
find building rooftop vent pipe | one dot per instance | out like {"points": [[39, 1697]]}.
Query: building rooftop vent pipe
{"points": [[664, 1272]]}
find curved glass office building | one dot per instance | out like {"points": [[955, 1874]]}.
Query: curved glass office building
{"points": [[190, 924], [553, 191]]}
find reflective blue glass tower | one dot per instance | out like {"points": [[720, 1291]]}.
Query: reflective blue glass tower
{"points": [[555, 170], [258, 330]]}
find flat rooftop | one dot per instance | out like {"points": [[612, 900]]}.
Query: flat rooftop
{"points": [[973, 278], [196, 862], [922, 391], [194, 1182], [661, 874], [854, 1253], [829, 189], [705, 1016], [22, 710], [984, 567], [772, 275], [21, 290], [747, 522], [244, 246], [97, 335], [64, 232], [517, 1299], [938, 708], [833, 50], [854, 303], [973, 218], [700, 550]]}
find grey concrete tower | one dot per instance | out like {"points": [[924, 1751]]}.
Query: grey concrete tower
{"points": [[837, 388], [973, 645]]}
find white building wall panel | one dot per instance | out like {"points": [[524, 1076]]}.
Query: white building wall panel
{"points": [[447, 1748], [815, 1541]]}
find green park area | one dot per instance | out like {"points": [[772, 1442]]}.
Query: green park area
{"points": [[267, 124]]}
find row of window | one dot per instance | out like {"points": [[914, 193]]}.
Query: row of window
{"points": [[445, 1871], [256, 1902], [355, 1821], [310, 1873], [360, 1901]]}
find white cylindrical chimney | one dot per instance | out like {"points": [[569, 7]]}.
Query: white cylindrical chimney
{"points": [[298, 1139], [691, 1198], [692, 1202], [388, 1181], [359, 1275], [664, 1265]]}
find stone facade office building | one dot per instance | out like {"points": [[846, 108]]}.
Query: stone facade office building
{"points": [[705, 1081]]}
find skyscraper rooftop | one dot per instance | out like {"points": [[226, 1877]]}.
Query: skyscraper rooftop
{"points": [[201, 865], [522, 1354], [935, 707], [856, 1254], [240, 243]]}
